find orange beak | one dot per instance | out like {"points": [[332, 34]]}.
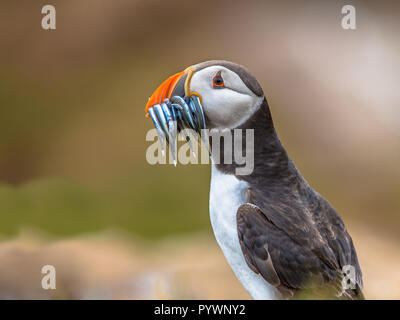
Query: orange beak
{"points": [[164, 91]]}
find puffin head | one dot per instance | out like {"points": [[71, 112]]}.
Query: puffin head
{"points": [[228, 92]]}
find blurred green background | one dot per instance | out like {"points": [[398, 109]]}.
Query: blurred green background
{"points": [[72, 125]]}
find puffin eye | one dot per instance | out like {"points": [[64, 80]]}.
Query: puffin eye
{"points": [[218, 82]]}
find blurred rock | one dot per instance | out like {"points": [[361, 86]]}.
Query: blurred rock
{"points": [[111, 265]]}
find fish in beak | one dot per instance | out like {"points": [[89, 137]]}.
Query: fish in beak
{"points": [[173, 108]]}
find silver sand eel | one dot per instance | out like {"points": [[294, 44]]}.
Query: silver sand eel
{"points": [[175, 115]]}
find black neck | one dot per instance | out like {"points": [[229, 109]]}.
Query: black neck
{"points": [[271, 161]]}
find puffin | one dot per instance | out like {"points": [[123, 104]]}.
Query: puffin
{"points": [[282, 239]]}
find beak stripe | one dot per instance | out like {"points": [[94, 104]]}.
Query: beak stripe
{"points": [[189, 71]]}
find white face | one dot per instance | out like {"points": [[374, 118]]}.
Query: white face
{"points": [[226, 107]]}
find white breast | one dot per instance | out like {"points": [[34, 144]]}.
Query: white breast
{"points": [[227, 193]]}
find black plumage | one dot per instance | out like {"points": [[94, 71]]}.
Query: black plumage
{"points": [[289, 233]]}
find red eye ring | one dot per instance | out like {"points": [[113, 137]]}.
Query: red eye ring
{"points": [[218, 81]]}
